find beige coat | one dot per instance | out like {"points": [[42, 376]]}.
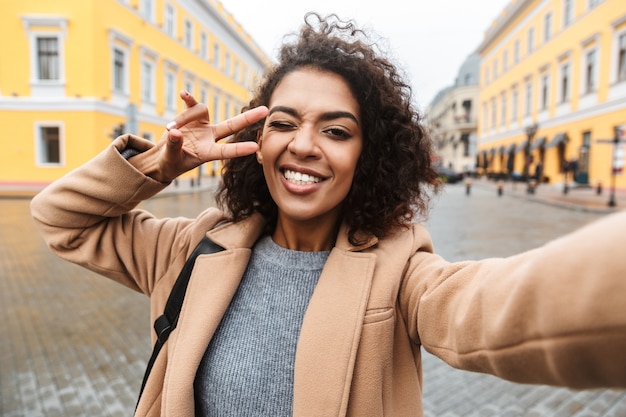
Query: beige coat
{"points": [[554, 315]]}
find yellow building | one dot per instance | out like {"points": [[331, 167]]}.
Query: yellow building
{"points": [[553, 90], [76, 73]]}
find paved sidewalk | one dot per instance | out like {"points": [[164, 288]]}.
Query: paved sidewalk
{"points": [[576, 198]]}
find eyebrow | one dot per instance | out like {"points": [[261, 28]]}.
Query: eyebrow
{"points": [[331, 115]]}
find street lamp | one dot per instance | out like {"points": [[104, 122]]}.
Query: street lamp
{"points": [[618, 160], [530, 134]]}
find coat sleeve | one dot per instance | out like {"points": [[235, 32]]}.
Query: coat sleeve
{"points": [[554, 315], [88, 217]]}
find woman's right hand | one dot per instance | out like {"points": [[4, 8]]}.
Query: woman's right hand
{"points": [[192, 140]]}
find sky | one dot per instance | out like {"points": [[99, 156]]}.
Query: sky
{"points": [[429, 40]]}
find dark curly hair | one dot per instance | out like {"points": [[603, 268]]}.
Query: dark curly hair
{"points": [[394, 171]]}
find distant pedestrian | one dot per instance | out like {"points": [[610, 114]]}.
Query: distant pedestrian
{"points": [[328, 287]]}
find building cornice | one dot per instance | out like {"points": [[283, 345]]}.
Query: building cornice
{"points": [[513, 10]]}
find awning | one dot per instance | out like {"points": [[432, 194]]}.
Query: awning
{"points": [[521, 146], [538, 143], [558, 139]]}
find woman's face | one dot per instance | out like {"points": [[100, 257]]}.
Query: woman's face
{"points": [[310, 145]]}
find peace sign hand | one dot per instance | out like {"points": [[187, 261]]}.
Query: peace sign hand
{"points": [[192, 140]]}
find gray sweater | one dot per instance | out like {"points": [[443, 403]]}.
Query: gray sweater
{"points": [[249, 364]]}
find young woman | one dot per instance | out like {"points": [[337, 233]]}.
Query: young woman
{"points": [[327, 288]]}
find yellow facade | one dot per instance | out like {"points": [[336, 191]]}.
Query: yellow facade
{"points": [[553, 89], [75, 73]]}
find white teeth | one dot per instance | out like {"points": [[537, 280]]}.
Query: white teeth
{"points": [[300, 178]]}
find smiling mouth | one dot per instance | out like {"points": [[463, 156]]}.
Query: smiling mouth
{"points": [[300, 178]]}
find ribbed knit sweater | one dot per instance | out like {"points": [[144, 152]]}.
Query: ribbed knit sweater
{"points": [[248, 367]]}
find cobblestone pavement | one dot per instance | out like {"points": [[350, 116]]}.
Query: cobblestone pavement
{"points": [[74, 344]]}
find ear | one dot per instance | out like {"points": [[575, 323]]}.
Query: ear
{"points": [[259, 141]]}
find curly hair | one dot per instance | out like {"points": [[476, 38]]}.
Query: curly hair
{"points": [[394, 172]]}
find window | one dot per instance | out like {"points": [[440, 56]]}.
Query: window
{"points": [[189, 86], [119, 71], [188, 34], [530, 40], [216, 55], [204, 95], [216, 108], [485, 116], [48, 145], [170, 90], [547, 27], [48, 58], [621, 58], [568, 12], [505, 61], [120, 46], [147, 10], [564, 83], [227, 63], [516, 52], [486, 75], [590, 71], [493, 113], [503, 109], [495, 69], [244, 76], [46, 37], [147, 82], [170, 20], [514, 103], [203, 46], [529, 99], [545, 91]]}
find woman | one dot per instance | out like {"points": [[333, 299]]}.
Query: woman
{"points": [[327, 290]]}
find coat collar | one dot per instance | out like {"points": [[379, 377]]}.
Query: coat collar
{"points": [[330, 333], [245, 233]]}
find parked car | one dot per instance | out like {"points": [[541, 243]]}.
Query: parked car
{"points": [[448, 175]]}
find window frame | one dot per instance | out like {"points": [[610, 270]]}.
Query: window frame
{"points": [[568, 13], [39, 27], [124, 44], [169, 19], [188, 39], [530, 40], [40, 148], [547, 27]]}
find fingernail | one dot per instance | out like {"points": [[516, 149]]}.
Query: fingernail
{"points": [[171, 125]]}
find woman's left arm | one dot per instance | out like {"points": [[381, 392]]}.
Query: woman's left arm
{"points": [[553, 315]]}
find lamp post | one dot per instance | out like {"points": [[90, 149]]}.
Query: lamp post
{"points": [[617, 163], [531, 130], [618, 160]]}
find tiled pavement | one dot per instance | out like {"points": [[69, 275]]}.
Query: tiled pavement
{"points": [[74, 344]]}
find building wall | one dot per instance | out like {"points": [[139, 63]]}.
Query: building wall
{"points": [[453, 128], [203, 49], [586, 104]]}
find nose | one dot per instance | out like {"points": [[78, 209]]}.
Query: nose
{"points": [[304, 144]]}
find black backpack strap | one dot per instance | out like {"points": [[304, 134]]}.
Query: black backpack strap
{"points": [[167, 322]]}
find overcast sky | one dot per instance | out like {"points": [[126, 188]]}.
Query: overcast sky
{"points": [[429, 39]]}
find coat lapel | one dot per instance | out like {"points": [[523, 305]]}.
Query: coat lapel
{"points": [[330, 335], [206, 300]]}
